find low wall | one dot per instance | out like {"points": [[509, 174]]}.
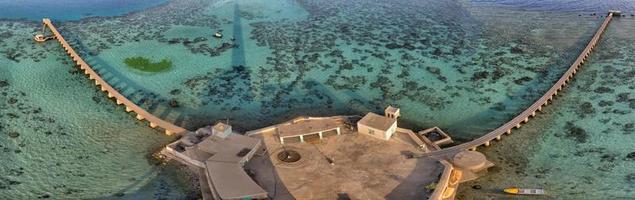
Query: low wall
{"points": [[183, 157], [444, 183]]}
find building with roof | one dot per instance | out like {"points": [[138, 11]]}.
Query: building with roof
{"points": [[382, 127], [303, 129], [221, 154]]}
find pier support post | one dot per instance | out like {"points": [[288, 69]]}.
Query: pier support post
{"points": [[473, 149], [526, 119], [139, 117], [518, 126], [168, 132], [487, 143], [110, 95], [321, 135], [128, 109], [498, 138], [533, 114], [509, 131], [118, 102], [301, 138], [153, 125]]}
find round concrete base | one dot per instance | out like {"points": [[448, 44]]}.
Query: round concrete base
{"points": [[472, 160]]}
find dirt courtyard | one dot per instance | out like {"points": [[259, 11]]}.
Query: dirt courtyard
{"points": [[363, 168]]}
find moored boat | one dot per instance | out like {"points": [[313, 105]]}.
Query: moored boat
{"points": [[218, 34], [515, 190]]}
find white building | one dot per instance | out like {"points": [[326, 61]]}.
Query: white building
{"points": [[382, 127]]}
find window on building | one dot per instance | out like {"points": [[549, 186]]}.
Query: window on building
{"points": [[371, 131]]}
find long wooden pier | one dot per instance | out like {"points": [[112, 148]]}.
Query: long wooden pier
{"points": [[531, 111], [141, 114]]}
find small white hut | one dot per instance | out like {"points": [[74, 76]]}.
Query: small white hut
{"points": [[382, 127]]}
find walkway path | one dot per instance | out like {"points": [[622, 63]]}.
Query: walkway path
{"points": [[112, 92], [524, 116]]}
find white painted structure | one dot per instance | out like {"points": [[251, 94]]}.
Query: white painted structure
{"points": [[378, 126], [392, 112], [221, 130]]}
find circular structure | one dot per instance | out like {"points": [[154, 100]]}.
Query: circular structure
{"points": [[39, 38], [289, 156], [471, 160]]}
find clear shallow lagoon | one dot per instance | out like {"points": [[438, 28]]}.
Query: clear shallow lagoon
{"points": [[464, 66]]}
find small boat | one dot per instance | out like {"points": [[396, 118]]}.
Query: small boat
{"points": [[515, 190], [218, 34]]}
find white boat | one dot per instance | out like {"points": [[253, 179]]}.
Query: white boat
{"points": [[515, 190], [218, 34]]}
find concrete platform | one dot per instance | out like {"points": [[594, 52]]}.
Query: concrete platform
{"points": [[364, 168]]}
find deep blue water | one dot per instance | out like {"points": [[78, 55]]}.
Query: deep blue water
{"points": [[565, 5], [78, 9], [70, 9]]}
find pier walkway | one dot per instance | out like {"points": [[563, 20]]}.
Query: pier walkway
{"points": [[141, 114], [523, 117]]}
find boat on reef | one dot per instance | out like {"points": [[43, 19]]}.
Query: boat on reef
{"points": [[515, 190], [218, 34]]}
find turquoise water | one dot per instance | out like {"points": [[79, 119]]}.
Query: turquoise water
{"points": [[70, 9], [465, 66]]}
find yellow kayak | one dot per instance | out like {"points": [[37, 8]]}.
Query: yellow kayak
{"points": [[515, 190]]}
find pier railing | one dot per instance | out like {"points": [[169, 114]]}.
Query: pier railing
{"points": [[524, 116], [141, 114]]}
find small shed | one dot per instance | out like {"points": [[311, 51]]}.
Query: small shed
{"points": [[221, 130], [378, 126]]}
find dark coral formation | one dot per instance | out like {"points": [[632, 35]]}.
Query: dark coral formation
{"points": [[576, 133]]}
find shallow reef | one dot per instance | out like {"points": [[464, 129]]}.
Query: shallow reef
{"points": [[463, 67]]}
